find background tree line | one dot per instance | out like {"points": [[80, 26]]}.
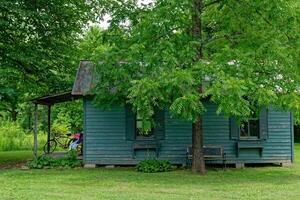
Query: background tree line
{"points": [[40, 48]]}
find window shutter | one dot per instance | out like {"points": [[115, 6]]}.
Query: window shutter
{"points": [[159, 126], [130, 123], [234, 129], [263, 123]]}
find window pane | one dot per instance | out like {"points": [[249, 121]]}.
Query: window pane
{"points": [[244, 129], [139, 125], [143, 128], [254, 128]]}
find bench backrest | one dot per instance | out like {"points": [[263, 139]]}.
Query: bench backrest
{"points": [[209, 151]]}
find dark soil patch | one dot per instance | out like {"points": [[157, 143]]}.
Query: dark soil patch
{"points": [[12, 165]]}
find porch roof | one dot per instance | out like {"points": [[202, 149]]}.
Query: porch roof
{"points": [[56, 98]]}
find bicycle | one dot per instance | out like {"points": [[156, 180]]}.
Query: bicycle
{"points": [[62, 141]]}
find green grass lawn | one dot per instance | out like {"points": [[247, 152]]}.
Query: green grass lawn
{"points": [[126, 183], [14, 156]]}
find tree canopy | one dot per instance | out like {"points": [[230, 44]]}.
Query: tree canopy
{"points": [[37, 36], [250, 55], [39, 47], [241, 55]]}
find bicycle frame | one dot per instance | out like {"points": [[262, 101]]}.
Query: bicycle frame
{"points": [[62, 141]]}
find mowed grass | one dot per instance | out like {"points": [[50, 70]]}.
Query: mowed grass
{"points": [[125, 183]]}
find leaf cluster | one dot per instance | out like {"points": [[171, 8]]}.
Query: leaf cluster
{"points": [[154, 166]]}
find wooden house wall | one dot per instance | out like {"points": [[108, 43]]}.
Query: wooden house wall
{"points": [[105, 138]]}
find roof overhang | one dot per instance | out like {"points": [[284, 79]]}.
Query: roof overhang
{"points": [[56, 98]]}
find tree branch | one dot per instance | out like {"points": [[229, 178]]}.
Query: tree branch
{"points": [[211, 3], [226, 37]]}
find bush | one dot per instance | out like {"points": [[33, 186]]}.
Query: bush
{"points": [[153, 165], [70, 161], [60, 129], [13, 137]]}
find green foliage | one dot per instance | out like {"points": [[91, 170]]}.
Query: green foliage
{"points": [[247, 56], [153, 165], [39, 49], [69, 115], [70, 161], [59, 129], [13, 137], [93, 44], [187, 107], [32, 43], [175, 89]]}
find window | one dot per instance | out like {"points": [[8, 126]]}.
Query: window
{"points": [[256, 127], [143, 128], [249, 129]]}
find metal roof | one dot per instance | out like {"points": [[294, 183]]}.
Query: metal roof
{"points": [[84, 79]]}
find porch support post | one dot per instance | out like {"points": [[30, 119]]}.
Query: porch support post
{"points": [[35, 142], [49, 129]]}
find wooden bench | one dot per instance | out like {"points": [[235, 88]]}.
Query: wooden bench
{"points": [[210, 153], [249, 145], [145, 145]]}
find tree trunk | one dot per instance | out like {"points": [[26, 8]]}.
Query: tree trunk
{"points": [[197, 26], [198, 163], [14, 114]]}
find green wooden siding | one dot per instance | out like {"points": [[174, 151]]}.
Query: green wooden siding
{"points": [[105, 135], [178, 135], [278, 145], [106, 141]]}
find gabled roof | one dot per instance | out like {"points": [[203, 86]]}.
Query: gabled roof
{"points": [[84, 78]]}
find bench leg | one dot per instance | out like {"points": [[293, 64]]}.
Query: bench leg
{"points": [[188, 162], [224, 160], [224, 164]]}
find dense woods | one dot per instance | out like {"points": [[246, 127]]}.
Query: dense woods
{"points": [[40, 51], [39, 48]]}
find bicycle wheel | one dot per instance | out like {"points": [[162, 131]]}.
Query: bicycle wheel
{"points": [[52, 144]]}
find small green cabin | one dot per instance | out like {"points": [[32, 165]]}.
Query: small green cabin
{"points": [[111, 136]]}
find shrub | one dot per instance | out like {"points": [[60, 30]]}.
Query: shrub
{"points": [[13, 137], [153, 165], [70, 161]]}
